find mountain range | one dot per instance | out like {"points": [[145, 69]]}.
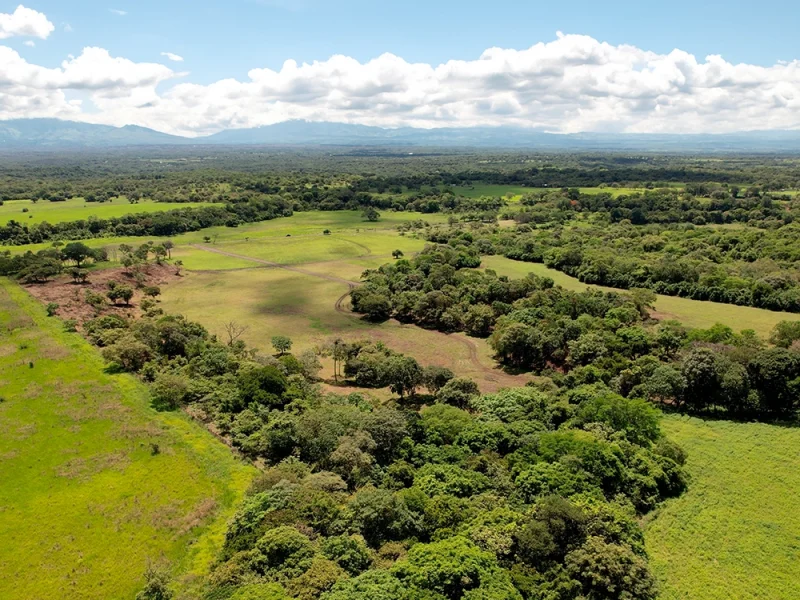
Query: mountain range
{"points": [[55, 134]]}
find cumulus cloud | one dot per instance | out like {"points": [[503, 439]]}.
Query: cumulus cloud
{"points": [[29, 43], [172, 57], [118, 12], [573, 83], [25, 22]]}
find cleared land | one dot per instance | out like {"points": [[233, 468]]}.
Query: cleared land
{"points": [[312, 309], [694, 313], [736, 532], [77, 209], [95, 484], [234, 279]]}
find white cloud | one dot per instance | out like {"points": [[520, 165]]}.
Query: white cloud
{"points": [[573, 83], [68, 28], [118, 12], [25, 22], [29, 43], [172, 57]]}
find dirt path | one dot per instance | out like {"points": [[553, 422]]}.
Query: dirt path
{"points": [[490, 373]]}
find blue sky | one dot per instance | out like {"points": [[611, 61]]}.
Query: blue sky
{"points": [[225, 40]]}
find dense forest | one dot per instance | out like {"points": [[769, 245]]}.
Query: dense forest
{"points": [[442, 493]]}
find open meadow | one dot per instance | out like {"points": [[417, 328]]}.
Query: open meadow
{"points": [[736, 532], [29, 213], [96, 484], [238, 279]]}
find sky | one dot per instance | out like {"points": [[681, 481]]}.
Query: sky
{"points": [[196, 67]]}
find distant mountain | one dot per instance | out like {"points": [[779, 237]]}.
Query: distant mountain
{"points": [[44, 134], [58, 134]]}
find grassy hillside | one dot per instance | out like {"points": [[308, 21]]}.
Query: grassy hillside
{"points": [[736, 532], [77, 209], [694, 313], [94, 482]]}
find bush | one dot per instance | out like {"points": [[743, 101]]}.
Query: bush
{"points": [[350, 553], [282, 551]]}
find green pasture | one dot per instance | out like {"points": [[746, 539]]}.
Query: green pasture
{"points": [[96, 484], [311, 223], [694, 313], [302, 305], [736, 532], [297, 249], [77, 209]]}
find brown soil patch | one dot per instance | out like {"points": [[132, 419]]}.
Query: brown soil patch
{"points": [[84, 468], [174, 518], [70, 296]]}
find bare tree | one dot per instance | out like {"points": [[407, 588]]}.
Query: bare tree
{"points": [[234, 331]]}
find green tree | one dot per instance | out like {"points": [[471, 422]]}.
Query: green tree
{"points": [[635, 417], [76, 252], [261, 385], [283, 550], [156, 585], [455, 567], [376, 307], [458, 392], [370, 214], [372, 585], [785, 333], [610, 571], [479, 320], [403, 375], [435, 377], [349, 552], [281, 343]]}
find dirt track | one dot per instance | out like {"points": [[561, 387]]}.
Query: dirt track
{"points": [[491, 373]]}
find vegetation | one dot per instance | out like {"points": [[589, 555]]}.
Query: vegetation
{"points": [[75, 209], [753, 267], [396, 459], [587, 337], [525, 492], [81, 476], [731, 535]]}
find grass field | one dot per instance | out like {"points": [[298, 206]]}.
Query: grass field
{"points": [[311, 223], [273, 301], [77, 209], [86, 500], [693, 313], [736, 532]]}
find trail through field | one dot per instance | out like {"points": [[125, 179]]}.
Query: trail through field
{"points": [[492, 374]]}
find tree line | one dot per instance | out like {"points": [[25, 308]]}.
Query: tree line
{"points": [[750, 267], [588, 338]]}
